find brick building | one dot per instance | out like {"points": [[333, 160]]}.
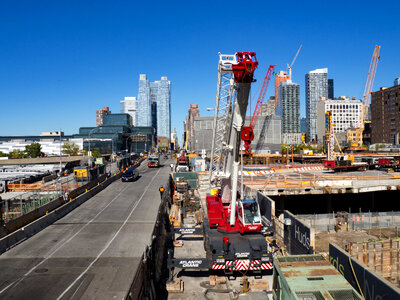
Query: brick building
{"points": [[385, 115]]}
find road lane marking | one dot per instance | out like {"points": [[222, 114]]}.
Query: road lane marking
{"points": [[16, 282], [110, 241]]}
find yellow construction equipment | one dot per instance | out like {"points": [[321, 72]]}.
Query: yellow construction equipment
{"points": [[354, 136], [330, 153]]}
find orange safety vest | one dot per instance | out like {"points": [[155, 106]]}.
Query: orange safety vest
{"points": [[161, 189]]}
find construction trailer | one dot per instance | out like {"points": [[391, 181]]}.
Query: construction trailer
{"points": [[309, 277]]}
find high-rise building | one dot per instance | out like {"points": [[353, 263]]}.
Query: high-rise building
{"points": [[303, 125], [144, 102], [193, 112], [396, 81], [330, 89], [129, 106], [100, 113], [289, 110], [346, 114], [153, 95], [385, 115], [282, 76], [316, 87], [163, 100], [154, 105], [268, 108]]}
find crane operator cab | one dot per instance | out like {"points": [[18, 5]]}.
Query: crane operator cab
{"points": [[249, 216]]}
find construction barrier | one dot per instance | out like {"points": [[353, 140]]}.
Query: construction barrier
{"points": [[298, 237], [369, 284]]}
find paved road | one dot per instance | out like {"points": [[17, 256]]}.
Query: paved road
{"points": [[91, 253]]}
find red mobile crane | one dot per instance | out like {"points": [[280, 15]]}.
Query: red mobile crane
{"points": [[232, 227], [248, 131]]}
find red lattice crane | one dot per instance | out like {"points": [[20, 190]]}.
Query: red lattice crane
{"points": [[248, 131]]}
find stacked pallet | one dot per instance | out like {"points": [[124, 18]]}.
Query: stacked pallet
{"points": [[175, 215], [381, 256]]}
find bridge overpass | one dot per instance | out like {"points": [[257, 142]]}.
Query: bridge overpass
{"points": [[94, 251]]}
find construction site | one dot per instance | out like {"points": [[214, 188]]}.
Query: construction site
{"points": [[231, 225]]}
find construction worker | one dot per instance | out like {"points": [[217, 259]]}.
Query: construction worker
{"points": [[66, 196], [161, 189]]}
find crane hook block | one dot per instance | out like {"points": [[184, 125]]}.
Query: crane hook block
{"points": [[247, 63]]}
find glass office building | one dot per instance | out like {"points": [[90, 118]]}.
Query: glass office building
{"points": [[316, 87], [118, 119], [154, 105], [144, 102], [163, 108], [129, 106]]}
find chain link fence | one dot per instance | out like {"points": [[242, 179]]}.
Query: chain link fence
{"points": [[356, 221]]}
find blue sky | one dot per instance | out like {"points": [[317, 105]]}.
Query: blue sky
{"points": [[62, 60]]}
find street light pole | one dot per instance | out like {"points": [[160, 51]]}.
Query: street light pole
{"points": [[60, 167], [89, 153]]}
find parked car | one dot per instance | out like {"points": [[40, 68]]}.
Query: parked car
{"points": [[130, 175]]}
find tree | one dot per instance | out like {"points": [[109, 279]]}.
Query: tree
{"points": [[33, 150], [16, 153], [2, 154], [95, 152], [70, 148]]}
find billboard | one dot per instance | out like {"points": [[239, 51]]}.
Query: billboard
{"points": [[298, 237]]}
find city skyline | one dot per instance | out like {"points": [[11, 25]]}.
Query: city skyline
{"points": [[92, 55]]}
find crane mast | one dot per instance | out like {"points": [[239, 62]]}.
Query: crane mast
{"points": [[239, 70]]}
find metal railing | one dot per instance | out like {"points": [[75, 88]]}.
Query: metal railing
{"points": [[356, 221], [278, 180]]}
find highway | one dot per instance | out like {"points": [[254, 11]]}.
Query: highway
{"points": [[92, 252]]}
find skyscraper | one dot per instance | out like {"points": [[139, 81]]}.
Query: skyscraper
{"points": [[331, 94], [129, 106], [282, 76], [163, 100], [316, 87], [144, 102], [289, 110], [154, 105], [153, 95]]}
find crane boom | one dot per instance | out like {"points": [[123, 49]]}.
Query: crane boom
{"points": [[248, 131], [358, 141], [294, 59], [242, 65]]}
